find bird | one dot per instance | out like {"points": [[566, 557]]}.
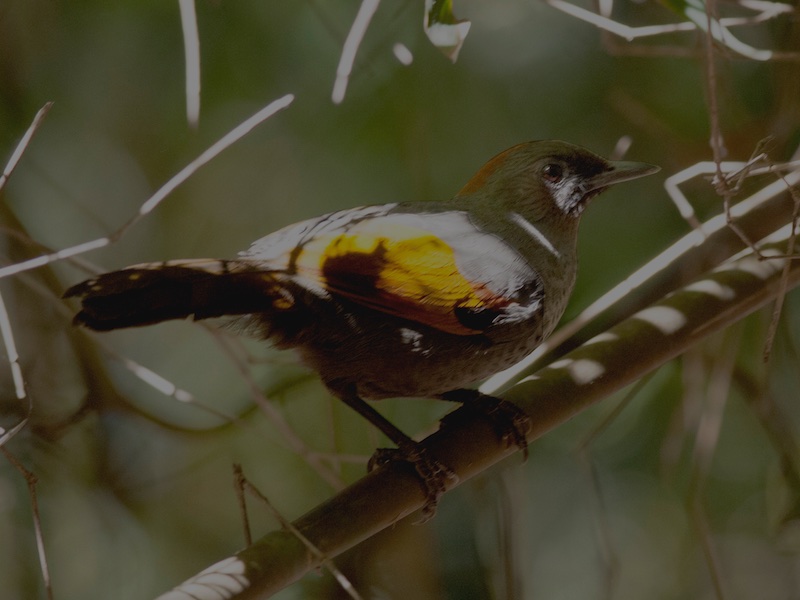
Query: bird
{"points": [[420, 299]]}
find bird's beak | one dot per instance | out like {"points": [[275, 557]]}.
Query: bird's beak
{"points": [[620, 171]]}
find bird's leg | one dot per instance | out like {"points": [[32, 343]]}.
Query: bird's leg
{"points": [[433, 474], [511, 423]]}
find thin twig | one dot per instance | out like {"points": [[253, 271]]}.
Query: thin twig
{"points": [[240, 484], [151, 203], [350, 48], [191, 50], [599, 510], [294, 441], [23, 143], [32, 480], [12, 354], [779, 300], [706, 439], [286, 524]]}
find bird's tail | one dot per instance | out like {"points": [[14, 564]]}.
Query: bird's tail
{"points": [[154, 292]]}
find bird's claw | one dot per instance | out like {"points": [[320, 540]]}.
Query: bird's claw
{"points": [[436, 477], [511, 423]]}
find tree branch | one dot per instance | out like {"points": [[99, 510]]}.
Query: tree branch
{"points": [[603, 365], [759, 215]]}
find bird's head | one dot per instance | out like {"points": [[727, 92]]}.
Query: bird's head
{"points": [[548, 178]]}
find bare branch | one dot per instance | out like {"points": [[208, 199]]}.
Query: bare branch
{"points": [[351, 44], [23, 143], [698, 251], [191, 49], [588, 374], [149, 205]]}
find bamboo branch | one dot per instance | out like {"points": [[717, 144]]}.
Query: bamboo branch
{"points": [[601, 366], [694, 254]]}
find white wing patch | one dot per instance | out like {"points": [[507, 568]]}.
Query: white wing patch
{"points": [[279, 245]]}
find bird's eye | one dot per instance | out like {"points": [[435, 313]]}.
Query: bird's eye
{"points": [[553, 172]]}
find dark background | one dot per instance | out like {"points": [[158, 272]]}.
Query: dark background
{"points": [[135, 488]]}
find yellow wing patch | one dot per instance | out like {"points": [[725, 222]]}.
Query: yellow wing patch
{"points": [[398, 269]]}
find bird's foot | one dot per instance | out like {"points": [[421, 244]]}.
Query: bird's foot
{"points": [[435, 477], [511, 423]]}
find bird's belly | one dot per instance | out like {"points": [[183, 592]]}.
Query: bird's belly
{"points": [[392, 358]]}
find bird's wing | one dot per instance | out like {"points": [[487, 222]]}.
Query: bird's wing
{"points": [[435, 268]]}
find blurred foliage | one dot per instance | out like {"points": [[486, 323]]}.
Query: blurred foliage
{"points": [[136, 488]]}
